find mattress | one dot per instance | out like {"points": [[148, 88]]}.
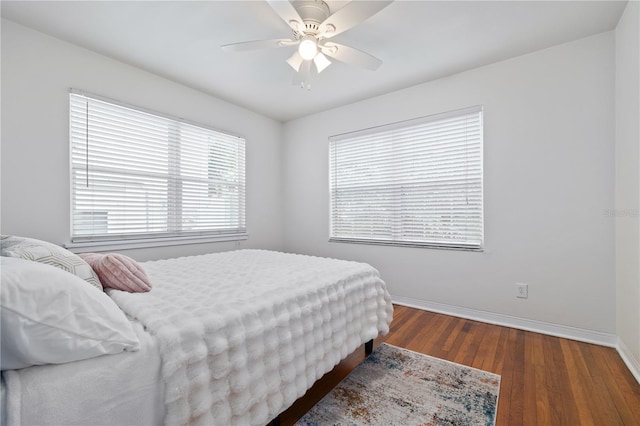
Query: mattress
{"points": [[122, 389], [229, 338]]}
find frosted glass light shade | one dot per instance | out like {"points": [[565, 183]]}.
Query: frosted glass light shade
{"points": [[308, 48], [321, 62]]}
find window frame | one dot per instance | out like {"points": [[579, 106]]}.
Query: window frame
{"points": [[172, 236], [394, 240]]}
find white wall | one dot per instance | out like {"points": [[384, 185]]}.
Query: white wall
{"points": [[627, 184], [37, 72], [548, 163]]}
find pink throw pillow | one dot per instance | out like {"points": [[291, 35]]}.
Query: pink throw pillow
{"points": [[118, 271]]}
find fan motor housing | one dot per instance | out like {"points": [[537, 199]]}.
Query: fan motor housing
{"points": [[313, 13]]}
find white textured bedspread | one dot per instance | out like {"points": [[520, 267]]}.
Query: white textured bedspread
{"points": [[243, 334]]}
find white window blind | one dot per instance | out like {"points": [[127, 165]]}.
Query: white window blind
{"points": [[417, 182], [138, 175]]}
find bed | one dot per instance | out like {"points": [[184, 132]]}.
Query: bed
{"points": [[227, 338]]}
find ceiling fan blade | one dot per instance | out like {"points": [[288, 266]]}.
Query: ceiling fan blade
{"points": [[295, 61], [351, 15], [288, 13], [350, 55], [258, 44]]}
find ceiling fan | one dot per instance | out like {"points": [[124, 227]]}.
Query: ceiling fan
{"points": [[313, 26]]}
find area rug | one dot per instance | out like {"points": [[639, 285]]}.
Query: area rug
{"points": [[395, 386]]}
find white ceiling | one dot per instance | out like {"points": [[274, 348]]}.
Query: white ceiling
{"points": [[417, 41]]}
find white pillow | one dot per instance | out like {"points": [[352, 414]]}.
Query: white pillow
{"points": [[50, 316]]}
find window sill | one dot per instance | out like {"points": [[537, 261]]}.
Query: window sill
{"points": [[102, 246], [407, 244]]}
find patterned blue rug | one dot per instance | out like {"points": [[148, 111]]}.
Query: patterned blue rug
{"points": [[395, 386]]}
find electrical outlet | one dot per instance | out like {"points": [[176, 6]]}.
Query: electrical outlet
{"points": [[522, 290]]}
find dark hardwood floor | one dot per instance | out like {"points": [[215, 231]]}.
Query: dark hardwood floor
{"points": [[545, 380]]}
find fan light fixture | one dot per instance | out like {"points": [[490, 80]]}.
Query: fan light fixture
{"points": [[308, 47]]}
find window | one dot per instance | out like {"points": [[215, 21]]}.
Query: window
{"points": [[416, 183], [136, 175]]}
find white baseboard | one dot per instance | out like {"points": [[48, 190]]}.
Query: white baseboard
{"points": [[568, 332], [632, 363]]}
